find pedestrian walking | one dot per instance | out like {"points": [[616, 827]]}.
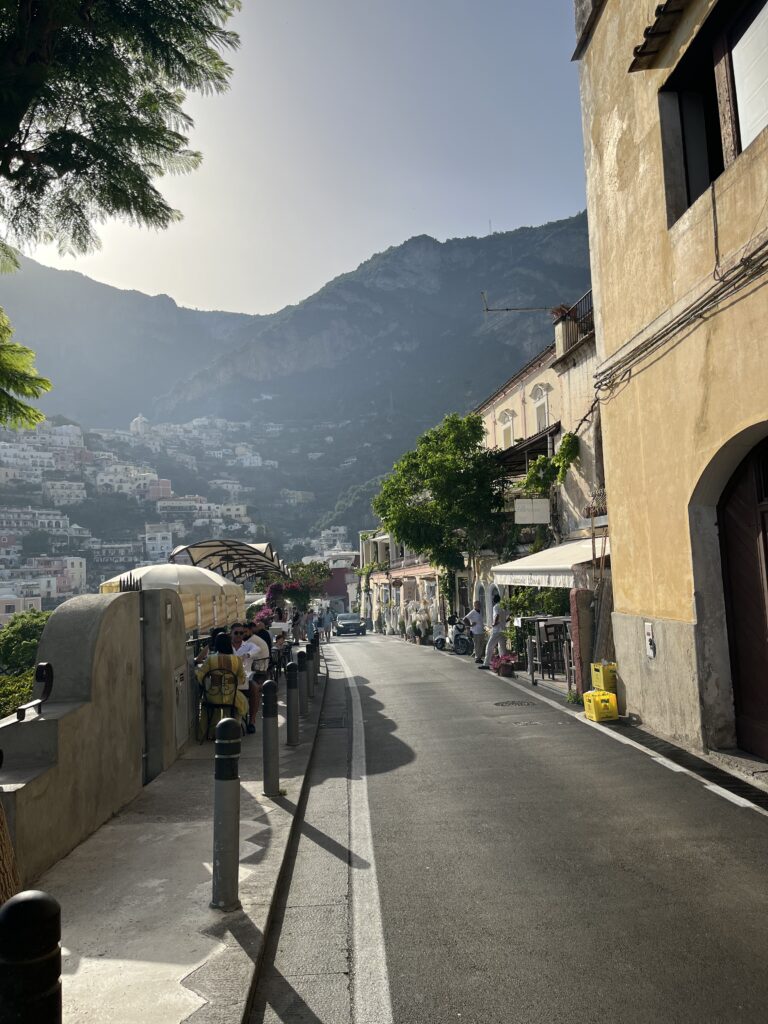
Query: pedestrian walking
{"points": [[309, 625], [476, 624], [327, 624], [497, 637]]}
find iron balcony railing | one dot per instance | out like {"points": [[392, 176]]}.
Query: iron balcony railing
{"points": [[579, 321], [407, 561]]}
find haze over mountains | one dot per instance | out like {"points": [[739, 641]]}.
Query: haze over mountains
{"points": [[391, 347]]}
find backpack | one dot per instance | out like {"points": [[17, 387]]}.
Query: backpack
{"points": [[220, 686]]}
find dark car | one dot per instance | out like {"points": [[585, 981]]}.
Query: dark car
{"points": [[347, 623]]}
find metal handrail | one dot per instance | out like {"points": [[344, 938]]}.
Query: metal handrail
{"points": [[44, 675], [579, 321]]}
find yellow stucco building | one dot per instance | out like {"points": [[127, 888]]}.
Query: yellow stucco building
{"points": [[675, 110]]}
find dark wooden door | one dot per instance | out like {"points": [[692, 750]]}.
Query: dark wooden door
{"points": [[743, 522]]}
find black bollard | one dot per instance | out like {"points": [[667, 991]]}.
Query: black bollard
{"points": [[271, 749], [311, 670], [292, 703], [30, 959], [529, 657], [226, 815], [301, 659]]}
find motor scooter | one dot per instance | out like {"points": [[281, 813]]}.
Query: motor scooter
{"points": [[458, 640]]}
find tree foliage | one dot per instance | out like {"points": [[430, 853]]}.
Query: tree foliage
{"points": [[19, 380], [92, 109], [547, 470], [36, 542], [442, 498], [307, 581], [19, 640]]}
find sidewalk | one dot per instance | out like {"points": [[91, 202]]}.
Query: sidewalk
{"points": [[140, 944]]}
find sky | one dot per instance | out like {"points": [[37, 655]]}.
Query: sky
{"points": [[351, 126]]}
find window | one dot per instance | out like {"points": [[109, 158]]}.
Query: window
{"points": [[10, 609], [506, 419], [715, 103], [541, 408]]}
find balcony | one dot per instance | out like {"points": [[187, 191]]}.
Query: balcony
{"points": [[577, 324], [408, 561]]}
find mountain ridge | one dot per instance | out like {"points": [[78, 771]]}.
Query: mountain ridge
{"points": [[351, 375]]}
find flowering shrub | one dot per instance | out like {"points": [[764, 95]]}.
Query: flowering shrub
{"points": [[274, 593], [504, 659], [297, 593]]}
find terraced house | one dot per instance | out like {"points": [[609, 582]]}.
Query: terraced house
{"points": [[675, 111]]}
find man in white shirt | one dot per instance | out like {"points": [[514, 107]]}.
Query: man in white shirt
{"points": [[477, 629], [497, 636], [254, 654]]}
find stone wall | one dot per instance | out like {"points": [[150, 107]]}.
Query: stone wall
{"points": [[68, 771]]}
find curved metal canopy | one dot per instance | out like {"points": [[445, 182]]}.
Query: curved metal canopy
{"points": [[232, 558]]}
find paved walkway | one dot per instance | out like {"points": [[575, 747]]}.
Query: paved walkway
{"points": [[140, 943]]}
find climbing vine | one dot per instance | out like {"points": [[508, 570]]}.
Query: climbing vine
{"points": [[547, 470]]}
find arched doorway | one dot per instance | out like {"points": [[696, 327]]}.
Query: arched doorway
{"points": [[742, 516]]}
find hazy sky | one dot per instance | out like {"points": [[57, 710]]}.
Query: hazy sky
{"points": [[352, 125]]}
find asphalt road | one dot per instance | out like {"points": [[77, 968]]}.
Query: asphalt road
{"points": [[531, 869]]}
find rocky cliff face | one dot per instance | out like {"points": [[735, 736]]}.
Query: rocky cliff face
{"points": [[407, 317], [353, 374]]}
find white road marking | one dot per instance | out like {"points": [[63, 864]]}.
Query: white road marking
{"points": [[663, 761], [724, 793], [371, 1001]]}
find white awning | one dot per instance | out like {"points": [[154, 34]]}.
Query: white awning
{"points": [[553, 567]]}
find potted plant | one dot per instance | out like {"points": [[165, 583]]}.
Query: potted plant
{"points": [[401, 627], [504, 665], [416, 633]]}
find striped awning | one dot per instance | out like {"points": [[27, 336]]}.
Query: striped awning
{"points": [[234, 559]]}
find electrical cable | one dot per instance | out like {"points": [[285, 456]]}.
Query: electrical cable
{"points": [[747, 270]]}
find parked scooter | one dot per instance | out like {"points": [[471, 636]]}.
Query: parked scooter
{"points": [[458, 639]]}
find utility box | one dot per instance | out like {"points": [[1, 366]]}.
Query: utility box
{"points": [[600, 706], [604, 675]]}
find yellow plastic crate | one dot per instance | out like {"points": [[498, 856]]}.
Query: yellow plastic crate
{"points": [[600, 706], [604, 675]]}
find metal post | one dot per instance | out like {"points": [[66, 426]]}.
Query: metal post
{"points": [[271, 751], [292, 702], [301, 658], [317, 659], [311, 670], [30, 959], [567, 663], [226, 816], [529, 656]]}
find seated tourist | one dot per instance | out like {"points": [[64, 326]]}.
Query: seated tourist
{"points": [[221, 675]]}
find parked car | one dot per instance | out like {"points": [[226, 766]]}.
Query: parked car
{"points": [[349, 623]]}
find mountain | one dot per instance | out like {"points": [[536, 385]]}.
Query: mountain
{"points": [[353, 373], [108, 352], [405, 331]]}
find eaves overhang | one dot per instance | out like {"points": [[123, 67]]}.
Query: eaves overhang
{"points": [[667, 18], [587, 14], [515, 460]]}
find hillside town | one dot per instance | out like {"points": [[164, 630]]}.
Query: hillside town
{"points": [[56, 474]]}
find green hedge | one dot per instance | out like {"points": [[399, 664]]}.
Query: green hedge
{"points": [[15, 690]]}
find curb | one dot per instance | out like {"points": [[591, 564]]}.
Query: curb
{"points": [[227, 981]]}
